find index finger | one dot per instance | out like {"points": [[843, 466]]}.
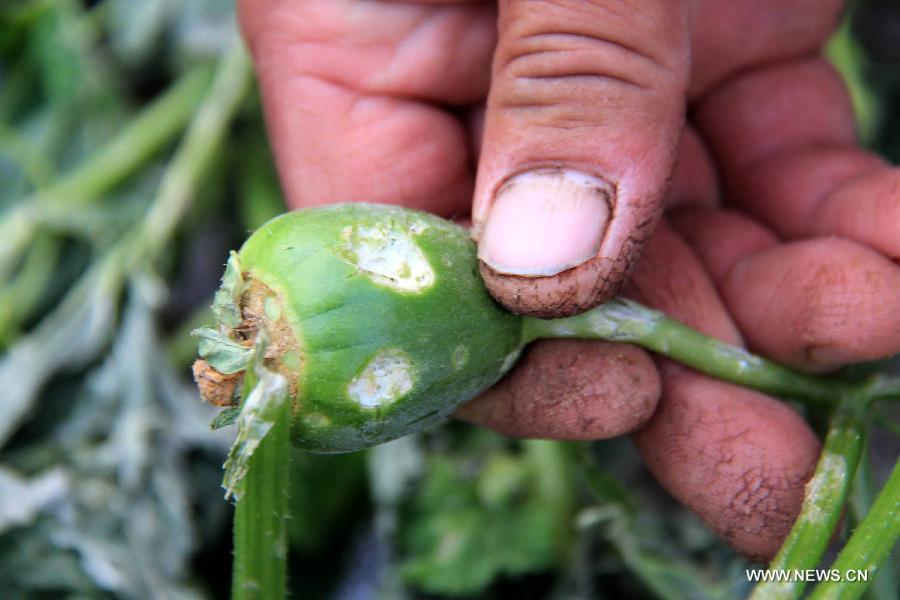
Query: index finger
{"points": [[350, 90]]}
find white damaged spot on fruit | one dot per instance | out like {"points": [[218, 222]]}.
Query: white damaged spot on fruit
{"points": [[317, 420], [388, 255], [460, 357], [387, 377]]}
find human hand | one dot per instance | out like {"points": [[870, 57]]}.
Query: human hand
{"points": [[383, 102]]}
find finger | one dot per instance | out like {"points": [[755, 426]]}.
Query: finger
{"points": [[589, 390], [694, 180], [795, 165], [721, 237], [818, 191], [788, 189], [349, 89], [741, 35], [817, 304], [737, 458], [762, 113], [814, 304], [570, 390], [671, 279], [475, 123], [581, 132], [866, 209], [781, 122], [439, 51]]}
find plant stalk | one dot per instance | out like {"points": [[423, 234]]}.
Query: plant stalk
{"points": [[885, 585], [260, 516], [821, 509], [201, 142], [621, 320], [149, 132], [869, 546]]}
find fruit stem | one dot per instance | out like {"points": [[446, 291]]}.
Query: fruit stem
{"points": [[621, 320]]}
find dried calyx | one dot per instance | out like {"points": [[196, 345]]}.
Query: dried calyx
{"points": [[251, 319]]}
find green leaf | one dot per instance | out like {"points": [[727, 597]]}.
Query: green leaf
{"points": [[225, 418], [72, 335], [223, 354], [60, 72], [138, 28], [226, 303], [465, 529]]}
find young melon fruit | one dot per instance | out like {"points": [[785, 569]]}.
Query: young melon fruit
{"points": [[375, 315]]}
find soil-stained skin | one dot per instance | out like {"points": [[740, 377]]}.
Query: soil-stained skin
{"points": [[571, 389], [562, 295], [736, 457]]}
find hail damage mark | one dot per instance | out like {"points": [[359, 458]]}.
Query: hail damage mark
{"points": [[386, 378], [317, 420], [460, 357], [272, 308], [388, 255]]}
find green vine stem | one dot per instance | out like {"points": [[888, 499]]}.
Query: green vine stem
{"points": [[144, 136], [149, 132], [621, 320], [885, 585], [869, 546], [195, 153], [821, 509], [20, 295]]}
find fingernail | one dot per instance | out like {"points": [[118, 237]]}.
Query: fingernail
{"points": [[545, 221]]}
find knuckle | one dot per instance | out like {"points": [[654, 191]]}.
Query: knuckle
{"points": [[575, 69], [571, 78], [579, 42], [579, 55]]}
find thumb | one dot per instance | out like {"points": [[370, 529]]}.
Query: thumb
{"points": [[581, 133]]}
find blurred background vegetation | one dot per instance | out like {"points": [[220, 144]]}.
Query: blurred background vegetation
{"points": [[132, 158]]}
